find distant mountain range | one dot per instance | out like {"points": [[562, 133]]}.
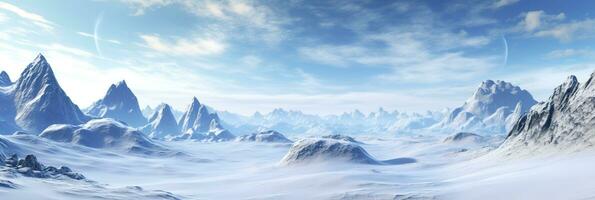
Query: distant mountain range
{"points": [[36, 101]]}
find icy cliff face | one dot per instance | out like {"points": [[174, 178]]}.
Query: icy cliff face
{"points": [[490, 110], [119, 103], [40, 102], [563, 122], [320, 150]]}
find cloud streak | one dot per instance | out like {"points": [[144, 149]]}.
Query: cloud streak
{"points": [[29, 16]]}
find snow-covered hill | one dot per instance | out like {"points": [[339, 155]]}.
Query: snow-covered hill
{"points": [[103, 133], [564, 122], [324, 150], [265, 136], [119, 103], [492, 109], [39, 100]]}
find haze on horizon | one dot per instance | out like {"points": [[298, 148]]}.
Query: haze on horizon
{"points": [[317, 57]]}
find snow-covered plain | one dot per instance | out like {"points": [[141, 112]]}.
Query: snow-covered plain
{"points": [[246, 170]]}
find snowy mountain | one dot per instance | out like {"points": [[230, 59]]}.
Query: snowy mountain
{"points": [[351, 123], [4, 79], [147, 111], [119, 103], [564, 122], [199, 124], [491, 109], [39, 100], [162, 123]]}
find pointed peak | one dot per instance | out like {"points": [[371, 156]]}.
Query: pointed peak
{"points": [[571, 80], [122, 83], [4, 79], [40, 58], [195, 102]]}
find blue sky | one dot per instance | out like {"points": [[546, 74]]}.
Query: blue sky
{"points": [[315, 56]]}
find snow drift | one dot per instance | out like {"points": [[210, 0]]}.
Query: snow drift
{"points": [[103, 133]]}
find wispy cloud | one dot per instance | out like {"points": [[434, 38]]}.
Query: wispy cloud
{"points": [[540, 24], [187, 47], [32, 17], [89, 35]]}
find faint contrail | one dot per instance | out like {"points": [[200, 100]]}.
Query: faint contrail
{"points": [[96, 33], [505, 50]]}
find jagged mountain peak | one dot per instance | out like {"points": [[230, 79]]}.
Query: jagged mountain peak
{"points": [[119, 103], [565, 121], [162, 123], [40, 101], [4, 79]]}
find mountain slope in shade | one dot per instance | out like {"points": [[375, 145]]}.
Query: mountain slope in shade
{"points": [[4, 79], [564, 122], [162, 123], [489, 109], [119, 103], [40, 101]]}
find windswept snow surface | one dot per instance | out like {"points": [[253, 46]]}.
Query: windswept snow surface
{"points": [[248, 170]]}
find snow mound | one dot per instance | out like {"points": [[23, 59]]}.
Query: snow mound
{"points": [[464, 137], [103, 133], [342, 137], [266, 136], [119, 103], [564, 122], [318, 150]]}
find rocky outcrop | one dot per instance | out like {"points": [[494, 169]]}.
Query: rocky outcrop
{"points": [[32, 168], [564, 122], [342, 137], [4, 79], [321, 150], [463, 137], [269, 136]]}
